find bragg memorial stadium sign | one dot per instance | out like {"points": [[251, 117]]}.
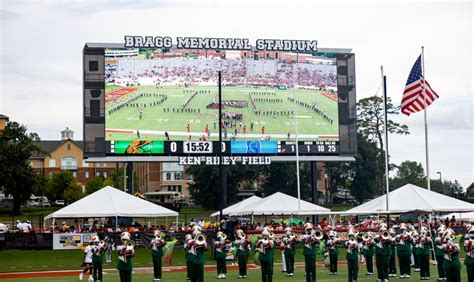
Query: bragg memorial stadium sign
{"points": [[156, 98]]}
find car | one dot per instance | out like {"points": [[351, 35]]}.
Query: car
{"points": [[32, 204], [60, 203], [3, 228], [45, 203]]}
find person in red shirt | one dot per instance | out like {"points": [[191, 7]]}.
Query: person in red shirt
{"points": [[245, 129], [188, 128], [263, 130], [207, 129]]}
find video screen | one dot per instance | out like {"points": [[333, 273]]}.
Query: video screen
{"points": [[172, 95]]}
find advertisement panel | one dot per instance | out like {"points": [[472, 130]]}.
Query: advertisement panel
{"points": [[71, 241]]}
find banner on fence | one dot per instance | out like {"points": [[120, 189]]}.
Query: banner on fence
{"points": [[71, 241]]}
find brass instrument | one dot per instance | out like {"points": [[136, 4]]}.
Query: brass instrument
{"points": [[241, 236], [292, 236], [200, 239], [366, 237], [318, 235], [385, 235], [130, 246]]}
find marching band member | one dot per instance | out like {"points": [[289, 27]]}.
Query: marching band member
{"points": [[352, 256], [451, 264], [87, 262], [469, 248], [125, 251], [187, 256], [97, 249], [243, 247], [416, 250], [331, 244], [439, 253], [368, 251], [197, 247], [311, 243], [383, 252], [157, 244], [220, 254], [424, 242], [109, 247], [265, 245], [392, 271], [288, 245], [404, 242]]}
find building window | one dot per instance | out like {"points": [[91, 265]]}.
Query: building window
{"points": [[87, 174], [180, 189], [74, 174], [52, 162], [178, 175], [69, 147], [168, 176], [84, 163], [69, 163], [104, 165], [172, 188], [32, 164], [104, 174], [97, 174]]}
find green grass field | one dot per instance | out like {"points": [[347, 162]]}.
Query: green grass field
{"points": [[16, 261], [155, 121]]}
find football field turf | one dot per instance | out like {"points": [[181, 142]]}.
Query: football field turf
{"points": [[168, 116]]}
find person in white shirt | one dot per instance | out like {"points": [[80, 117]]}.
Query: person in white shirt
{"points": [[87, 262]]}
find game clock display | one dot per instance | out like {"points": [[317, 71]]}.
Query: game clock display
{"points": [[249, 147]]}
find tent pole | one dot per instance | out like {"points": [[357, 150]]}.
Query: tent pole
{"points": [[116, 223]]}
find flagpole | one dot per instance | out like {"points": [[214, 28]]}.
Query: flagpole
{"points": [[387, 186], [428, 184]]}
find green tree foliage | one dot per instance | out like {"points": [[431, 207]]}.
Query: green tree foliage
{"points": [[470, 190], [58, 183], [72, 193], [16, 175], [281, 177], [409, 172], [94, 184], [365, 169], [204, 188]]}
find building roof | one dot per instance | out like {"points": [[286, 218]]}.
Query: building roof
{"points": [[3, 117], [50, 146]]}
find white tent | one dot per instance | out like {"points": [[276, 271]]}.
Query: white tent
{"points": [[281, 204], [238, 206], [467, 216], [411, 198], [111, 202]]}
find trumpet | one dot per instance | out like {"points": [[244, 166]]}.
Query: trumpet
{"points": [[130, 246], [242, 236], [292, 236], [200, 239]]}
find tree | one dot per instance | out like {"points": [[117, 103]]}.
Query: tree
{"points": [[58, 183], [365, 169], [281, 177], [370, 120], [409, 172], [339, 175], [470, 190], [94, 184], [16, 175], [72, 193], [204, 188]]}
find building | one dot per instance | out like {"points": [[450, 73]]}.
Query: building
{"points": [[67, 155], [3, 122]]}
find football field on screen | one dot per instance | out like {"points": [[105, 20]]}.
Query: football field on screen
{"points": [[275, 116]]}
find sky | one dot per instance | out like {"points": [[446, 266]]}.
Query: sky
{"points": [[41, 56]]}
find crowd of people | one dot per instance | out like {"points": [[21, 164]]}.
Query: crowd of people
{"points": [[238, 71]]}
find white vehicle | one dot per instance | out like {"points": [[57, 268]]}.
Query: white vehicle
{"points": [[60, 203], [3, 228]]}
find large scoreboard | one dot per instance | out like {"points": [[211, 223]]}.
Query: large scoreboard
{"points": [[162, 103]]}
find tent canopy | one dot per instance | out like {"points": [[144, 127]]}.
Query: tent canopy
{"points": [[236, 207], [111, 202], [411, 198], [281, 204]]}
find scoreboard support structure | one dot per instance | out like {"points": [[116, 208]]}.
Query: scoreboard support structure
{"points": [[222, 170], [314, 185]]}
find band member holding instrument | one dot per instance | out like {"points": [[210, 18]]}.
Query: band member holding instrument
{"points": [[98, 248], [331, 245], [439, 251], [451, 264], [197, 248], [109, 247], [404, 243], [383, 252], [368, 251], [425, 243], [157, 244], [243, 247], [352, 256], [288, 244], [392, 269], [311, 242], [87, 262], [220, 254], [187, 256], [469, 249], [265, 245], [125, 251], [416, 250]]}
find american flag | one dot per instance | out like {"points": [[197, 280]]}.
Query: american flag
{"points": [[413, 99]]}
